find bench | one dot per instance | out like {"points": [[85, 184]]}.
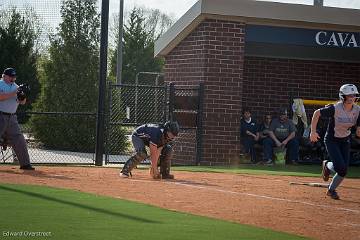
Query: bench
{"points": [[279, 156]]}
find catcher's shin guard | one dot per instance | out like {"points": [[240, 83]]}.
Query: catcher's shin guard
{"points": [[165, 162], [132, 163]]}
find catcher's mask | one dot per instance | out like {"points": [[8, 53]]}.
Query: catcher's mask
{"points": [[171, 129], [348, 89]]}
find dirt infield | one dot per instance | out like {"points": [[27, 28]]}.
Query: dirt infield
{"points": [[259, 200]]}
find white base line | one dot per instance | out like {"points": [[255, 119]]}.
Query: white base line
{"points": [[253, 195]]}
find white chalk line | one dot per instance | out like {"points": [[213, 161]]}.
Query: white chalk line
{"points": [[253, 195]]}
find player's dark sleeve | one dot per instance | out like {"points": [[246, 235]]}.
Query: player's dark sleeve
{"points": [[327, 111], [242, 128], [155, 137], [257, 127]]}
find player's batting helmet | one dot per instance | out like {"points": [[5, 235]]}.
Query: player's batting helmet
{"points": [[347, 89]]}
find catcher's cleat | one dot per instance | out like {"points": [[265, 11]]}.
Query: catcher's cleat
{"points": [[125, 174], [325, 171], [167, 176], [333, 194]]}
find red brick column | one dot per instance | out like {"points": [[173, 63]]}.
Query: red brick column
{"points": [[213, 54]]}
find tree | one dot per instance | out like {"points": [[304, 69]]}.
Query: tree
{"points": [[143, 27], [18, 36], [157, 22], [69, 79]]}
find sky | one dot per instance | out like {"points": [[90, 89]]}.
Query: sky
{"points": [[177, 8], [173, 8], [49, 9]]}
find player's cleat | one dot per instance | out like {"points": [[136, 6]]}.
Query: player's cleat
{"points": [[27, 167], [167, 176], [124, 175], [269, 162], [294, 162], [325, 171], [333, 194]]}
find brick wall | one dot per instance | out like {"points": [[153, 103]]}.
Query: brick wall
{"points": [[268, 82], [213, 54]]}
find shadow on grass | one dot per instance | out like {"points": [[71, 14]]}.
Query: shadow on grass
{"points": [[83, 206]]}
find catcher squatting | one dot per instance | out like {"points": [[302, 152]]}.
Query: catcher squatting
{"points": [[159, 139]]}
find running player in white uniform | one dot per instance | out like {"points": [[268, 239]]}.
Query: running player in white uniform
{"points": [[342, 115]]}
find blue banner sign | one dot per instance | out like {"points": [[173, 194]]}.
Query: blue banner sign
{"points": [[302, 37]]}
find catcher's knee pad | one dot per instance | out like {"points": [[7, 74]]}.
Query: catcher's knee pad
{"points": [[165, 160], [133, 162], [140, 156]]}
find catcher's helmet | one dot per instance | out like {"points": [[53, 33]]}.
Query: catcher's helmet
{"points": [[172, 127], [347, 89]]}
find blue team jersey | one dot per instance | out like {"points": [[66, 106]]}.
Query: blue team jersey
{"points": [[251, 126], [151, 134]]}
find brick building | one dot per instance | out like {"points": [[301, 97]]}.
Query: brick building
{"points": [[258, 54]]}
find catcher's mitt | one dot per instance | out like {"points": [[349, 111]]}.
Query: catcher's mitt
{"points": [[154, 173]]}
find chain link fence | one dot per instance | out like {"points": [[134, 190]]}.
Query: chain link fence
{"points": [[131, 106], [134, 105], [52, 137], [70, 138], [58, 137], [185, 106]]}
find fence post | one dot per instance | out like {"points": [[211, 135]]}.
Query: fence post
{"points": [[199, 126], [108, 121], [171, 101], [165, 103], [99, 148]]}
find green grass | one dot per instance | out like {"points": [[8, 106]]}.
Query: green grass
{"points": [[284, 170], [74, 215]]}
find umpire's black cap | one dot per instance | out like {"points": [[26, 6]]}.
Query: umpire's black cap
{"points": [[10, 72]]}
